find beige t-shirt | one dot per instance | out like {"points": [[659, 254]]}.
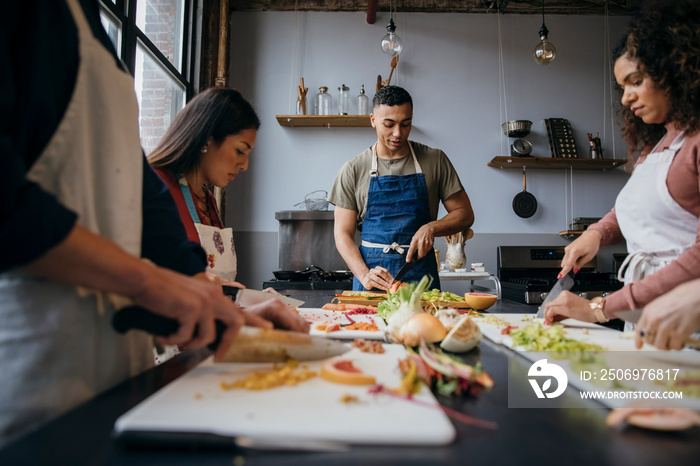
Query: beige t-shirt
{"points": [[350, 188]]}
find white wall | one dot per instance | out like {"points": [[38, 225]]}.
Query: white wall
{"points": [[450, 65]]}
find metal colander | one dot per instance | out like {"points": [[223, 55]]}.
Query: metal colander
{"points": [[313, 202]]}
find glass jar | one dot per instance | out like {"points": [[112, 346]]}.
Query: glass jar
{"points": [[343, 100], [301, 105], [323, 102], [362, 102]]}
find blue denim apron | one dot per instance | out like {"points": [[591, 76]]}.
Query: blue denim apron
{"points": [[397, 206]]}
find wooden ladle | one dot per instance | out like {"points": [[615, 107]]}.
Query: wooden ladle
{"points": [[381, 83]]}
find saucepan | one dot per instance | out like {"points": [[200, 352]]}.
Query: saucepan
{"points": [[524, 203]]}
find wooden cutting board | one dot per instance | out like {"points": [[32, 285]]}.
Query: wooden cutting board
{"points": [[196, 403], [374, 299]]}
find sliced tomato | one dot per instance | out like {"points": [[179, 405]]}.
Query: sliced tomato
{"points": [[343, 371]]}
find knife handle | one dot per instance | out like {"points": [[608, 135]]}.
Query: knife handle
{"points": [[138, 318]]}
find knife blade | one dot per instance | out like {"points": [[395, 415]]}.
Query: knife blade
{"points": [[255, 344], [252, 344], [633, 317], [406, 267], [247, 297], [565, 283]]}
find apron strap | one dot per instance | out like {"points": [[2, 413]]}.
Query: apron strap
{"points": [[375, 172], [188, 199]]}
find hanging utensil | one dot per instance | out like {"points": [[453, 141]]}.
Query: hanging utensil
{"points": [[524, 203], [380, 82]]}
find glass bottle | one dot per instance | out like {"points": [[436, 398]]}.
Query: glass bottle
{"points": [[362, 102], [323, 102], [343, 100]]}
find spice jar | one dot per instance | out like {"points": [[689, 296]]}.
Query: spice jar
{"points": [[323, 103], [343, 100]]}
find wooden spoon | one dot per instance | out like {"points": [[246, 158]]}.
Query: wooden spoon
{"points": [[394, 61]]}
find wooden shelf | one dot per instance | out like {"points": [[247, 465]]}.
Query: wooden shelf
{"points": [[324, 121], [549, 162]]}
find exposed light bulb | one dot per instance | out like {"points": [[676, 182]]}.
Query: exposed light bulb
{"points": [[545, 51], [391, 43]]}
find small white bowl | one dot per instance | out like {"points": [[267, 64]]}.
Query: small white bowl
{"points": [[460, 270]]}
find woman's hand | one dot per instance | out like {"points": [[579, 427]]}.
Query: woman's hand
{"points": [[568, 305], [669, 319], [580, 251], [279, 314]]}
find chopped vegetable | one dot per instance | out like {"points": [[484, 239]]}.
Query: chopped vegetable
{"points": [[436, 295], [403, 304], [535, 337]]}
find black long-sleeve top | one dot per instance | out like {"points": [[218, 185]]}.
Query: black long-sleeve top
{"points": [[38, 68]]}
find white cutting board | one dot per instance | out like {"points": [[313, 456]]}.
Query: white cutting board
{"points": [[620, 353], [311, 410], [315, 315]]}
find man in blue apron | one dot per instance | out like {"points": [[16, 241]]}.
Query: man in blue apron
{"points": [[392, 190]]}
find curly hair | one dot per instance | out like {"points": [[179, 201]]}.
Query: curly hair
{"points": [[664, 39], [391, 95]]}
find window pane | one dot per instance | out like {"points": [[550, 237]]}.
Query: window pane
{"points": [[113, 27], [160, 97], [162, 22]]}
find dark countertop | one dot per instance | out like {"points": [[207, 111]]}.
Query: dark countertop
{"points": [[525, 436]]}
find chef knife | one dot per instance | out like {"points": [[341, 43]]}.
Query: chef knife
{"points": [[252, 344], [633, 317], [565, 283], [406, 267], [247, 297]]}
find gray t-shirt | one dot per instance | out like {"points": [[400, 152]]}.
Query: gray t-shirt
{"points": [[350, 188]]}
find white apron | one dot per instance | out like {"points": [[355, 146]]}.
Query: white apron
{"points": [[57, 346], [656, 228], [217, 242]]}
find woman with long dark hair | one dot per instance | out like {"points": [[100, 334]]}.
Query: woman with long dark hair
{"points": [[207, 145]]}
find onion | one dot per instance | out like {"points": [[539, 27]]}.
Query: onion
{"points": [[462, 337], [422, 325]]}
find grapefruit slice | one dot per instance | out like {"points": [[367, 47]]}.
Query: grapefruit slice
{"points": [[343, 371], [480, 301]]}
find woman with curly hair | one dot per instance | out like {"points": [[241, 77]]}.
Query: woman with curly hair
{"points": [[657, 69]]}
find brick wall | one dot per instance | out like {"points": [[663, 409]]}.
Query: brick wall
{"points": [[161, 98]]}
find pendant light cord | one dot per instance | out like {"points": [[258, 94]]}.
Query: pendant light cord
{"points": [[292, 100], [501, 77]]}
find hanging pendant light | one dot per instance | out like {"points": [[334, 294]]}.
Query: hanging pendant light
{"points": [[391, 43], [545, 51]]}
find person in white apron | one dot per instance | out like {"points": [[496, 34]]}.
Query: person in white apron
{"points": [[207, 145], [71, 156], [658, 209]]}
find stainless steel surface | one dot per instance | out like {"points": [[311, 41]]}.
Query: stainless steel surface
{"points": [[565, 283], [306, 238], [524, 257], [516, 128]]}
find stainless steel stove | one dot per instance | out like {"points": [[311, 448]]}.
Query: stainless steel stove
{"points": [[527, 273]]}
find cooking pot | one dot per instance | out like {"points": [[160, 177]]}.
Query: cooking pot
{"points": [[524, 203]]}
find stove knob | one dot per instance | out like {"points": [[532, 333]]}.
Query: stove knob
{"points": [[583, 294], [604, 294], [543, 295]]}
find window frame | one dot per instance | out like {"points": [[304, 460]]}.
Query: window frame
{"points": [[125, 12]]}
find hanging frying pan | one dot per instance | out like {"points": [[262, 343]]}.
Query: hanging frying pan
{"points": [[524, 203]]}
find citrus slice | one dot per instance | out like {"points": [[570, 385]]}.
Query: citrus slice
{"points": [[343, 371], [480, 301]]}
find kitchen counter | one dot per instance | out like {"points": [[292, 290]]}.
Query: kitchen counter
{"points": [[524, 436]]}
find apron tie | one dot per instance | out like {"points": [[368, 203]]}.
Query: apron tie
{"points": [[387, 247], [635, 265]]}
